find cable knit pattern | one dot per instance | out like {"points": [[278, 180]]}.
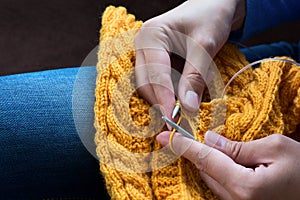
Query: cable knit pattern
{"points": [[258, 103]]}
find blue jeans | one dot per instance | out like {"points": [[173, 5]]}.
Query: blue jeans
{"points": [[42, 154]]}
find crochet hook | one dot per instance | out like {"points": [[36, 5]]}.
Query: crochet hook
{"points": [[178, 128]]}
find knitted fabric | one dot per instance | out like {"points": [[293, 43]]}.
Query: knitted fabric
{"points": [[258, 103]]}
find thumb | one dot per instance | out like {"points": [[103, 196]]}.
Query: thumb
{"points": [[248, 154], [214, 163]]}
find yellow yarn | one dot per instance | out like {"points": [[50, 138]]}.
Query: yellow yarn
{"points": [[258, 102]]}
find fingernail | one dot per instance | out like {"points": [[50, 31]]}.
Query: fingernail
{"points": [[169, 127], [163, 138], [192, 99], [214, 140]]}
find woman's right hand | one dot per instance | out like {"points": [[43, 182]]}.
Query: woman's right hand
{"points": [[196, 30], [266, 168]]}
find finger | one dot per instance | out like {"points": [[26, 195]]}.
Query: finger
{"points": [[214, 163], [215, 187], [144, 88], [254, 153], [159, 75], [192, 83], [190, 88]]}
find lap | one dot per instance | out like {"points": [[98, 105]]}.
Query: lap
{"points": [[42, 155]]}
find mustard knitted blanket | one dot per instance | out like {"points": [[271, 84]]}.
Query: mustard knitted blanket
{"points": [[258, 103]]}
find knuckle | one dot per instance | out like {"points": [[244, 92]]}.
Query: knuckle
{"points": [[208, 43], [195, 77], [154, 22], [161, 79], [201, 165], [149, 26], [152, 34], [233, 149], [277, 141], [194, 81]]}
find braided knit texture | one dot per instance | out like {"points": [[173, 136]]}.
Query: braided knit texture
{"points": [[258, 103]]}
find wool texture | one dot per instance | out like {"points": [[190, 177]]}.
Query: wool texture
{"points": [[259, 102]]}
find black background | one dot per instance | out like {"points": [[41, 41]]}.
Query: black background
{"points": [[38, 34]]}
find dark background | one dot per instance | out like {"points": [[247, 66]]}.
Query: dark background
{"points": [[39, 35]]}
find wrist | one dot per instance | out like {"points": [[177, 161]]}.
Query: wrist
{"points": [[239, 15]]}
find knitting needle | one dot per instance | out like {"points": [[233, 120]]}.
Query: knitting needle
{"points": [[178, 128]]}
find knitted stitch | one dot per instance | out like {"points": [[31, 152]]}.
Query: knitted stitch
{"points": [[258, 103]]}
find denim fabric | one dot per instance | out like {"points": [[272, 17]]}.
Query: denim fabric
{"points": [[42, 155]]}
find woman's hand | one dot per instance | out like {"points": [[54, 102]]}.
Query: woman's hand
{"points": [[267, 168], [195, 30]]}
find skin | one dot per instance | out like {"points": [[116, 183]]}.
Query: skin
{"points": [[267, 168], [199, 41]]}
